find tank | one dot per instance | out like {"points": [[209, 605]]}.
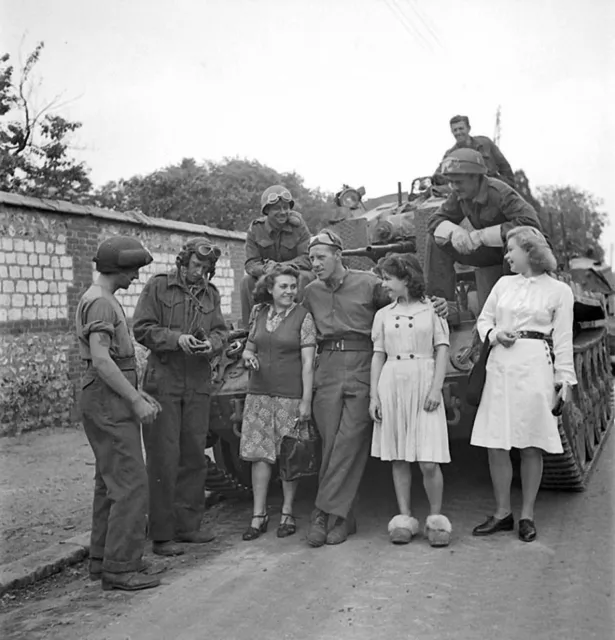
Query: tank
{"points": [[400, 225]]}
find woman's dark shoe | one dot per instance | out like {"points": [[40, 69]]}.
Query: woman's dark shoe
{"points": [[251, 533], [527, 530], [287, 526], [493, 525]]}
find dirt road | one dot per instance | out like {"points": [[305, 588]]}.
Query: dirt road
{"points": [[557, 587]]}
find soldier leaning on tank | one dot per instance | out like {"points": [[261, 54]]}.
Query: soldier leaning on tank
{"points": [[112, 410], [178, 319], [280, 235], [497, 165], [487, 208], [343, 303]]}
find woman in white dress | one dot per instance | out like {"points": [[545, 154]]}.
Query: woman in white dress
{"points": [[408, 368], [525, 375]]}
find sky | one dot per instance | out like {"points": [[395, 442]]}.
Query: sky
{"points": [[342, 91]]}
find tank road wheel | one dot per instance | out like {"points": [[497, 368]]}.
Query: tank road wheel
{"points": [[586, 419]]}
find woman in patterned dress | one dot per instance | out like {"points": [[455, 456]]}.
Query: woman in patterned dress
{"points": [[524, 377], [280, 354]]}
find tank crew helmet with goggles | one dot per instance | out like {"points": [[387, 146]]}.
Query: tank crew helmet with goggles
{"points": [[203, 249], [463, 161], [121, 253], [272, 195], [326, 238]]}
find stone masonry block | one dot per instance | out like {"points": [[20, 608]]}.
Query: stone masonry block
{"points": [[26, 272], [67, 274], [8, 286], [18, 244], [18, 300], [5, 301], [22, 286], [66, 262], [43, 286], [44, 260], [48, 274], [53, 313], [53, 287], [55, 261], [29, 313], [14, 272], [7, 244], [4, 313], [37, 273], [40, 247], [11, 258], [32, 288], [22, 258], [28, 246], [14, 314], [4, 272], [2, 257], [42, 313], [33, 259]]}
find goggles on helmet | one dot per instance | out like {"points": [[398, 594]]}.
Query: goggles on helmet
{"points": [[326, 237], [207, 252], [274, 197]]}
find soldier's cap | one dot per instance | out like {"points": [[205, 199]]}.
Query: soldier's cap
{"points": [[464, 160], [203, 248], [274, 194], [327, 238], [121, 253]]}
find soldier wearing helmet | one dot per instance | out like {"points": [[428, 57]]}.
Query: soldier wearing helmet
{"points": [[112, 412], [279, 235], [471, 225], [495, 162], [178, 318]]}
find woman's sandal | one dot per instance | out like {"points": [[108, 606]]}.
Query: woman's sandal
{"points": [[402, 529], [251, 533], [438, 530], [287, 528]]}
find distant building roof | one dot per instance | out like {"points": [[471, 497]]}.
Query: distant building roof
{"points": [[132, 217]]}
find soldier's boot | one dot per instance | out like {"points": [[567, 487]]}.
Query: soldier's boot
{"points": [[128, 581], [96, 570], [317, 533], [167, 548], [342, 528], [203, 535]]}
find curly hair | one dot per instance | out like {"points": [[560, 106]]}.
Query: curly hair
{"points": [[531, 240], [267, 280], [406, 267], [455, 119]]}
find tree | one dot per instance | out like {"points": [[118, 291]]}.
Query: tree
{"points": [[220, 194], [34, 143], [573, 220]]}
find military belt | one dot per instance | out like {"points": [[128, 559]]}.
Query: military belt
{"points": [[346, 344]]}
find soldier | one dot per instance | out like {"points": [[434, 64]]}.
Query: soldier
{"points": [[279, 235], [178, 319], [112, 410], [496, 163], [343, 303], [489, 208]]}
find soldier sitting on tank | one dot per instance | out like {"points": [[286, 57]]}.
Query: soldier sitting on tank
{"points": [[497, 165], [280, 235], [471, 226]]}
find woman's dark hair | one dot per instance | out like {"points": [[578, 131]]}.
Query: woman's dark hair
{"points": [[406, 267], [267, 280]]}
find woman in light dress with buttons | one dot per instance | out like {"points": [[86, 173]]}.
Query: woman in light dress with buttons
{"points": [[525, 379], [408, 368]]}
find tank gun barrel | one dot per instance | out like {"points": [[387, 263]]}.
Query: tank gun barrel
{"points": [[377, 251]]}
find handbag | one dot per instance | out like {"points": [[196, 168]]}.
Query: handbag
{"points": [[300, 452], [478, 375]]}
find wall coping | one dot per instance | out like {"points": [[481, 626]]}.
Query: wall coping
{"points": [[131, 217]]}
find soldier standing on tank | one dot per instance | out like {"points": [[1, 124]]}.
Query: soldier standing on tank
{"points": [[280, 235], [497, 165], [178, 318], [488, 209], [112, 410], [343, 303]]}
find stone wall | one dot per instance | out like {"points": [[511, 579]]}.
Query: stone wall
{"points": [[46, 250]]}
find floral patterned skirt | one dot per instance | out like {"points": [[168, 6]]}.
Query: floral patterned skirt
{"points": [[266, 420]]}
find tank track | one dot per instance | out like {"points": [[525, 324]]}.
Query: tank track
{"points": [[587, 419], [222, 486]]}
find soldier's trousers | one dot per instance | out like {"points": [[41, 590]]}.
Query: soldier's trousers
{"points": [[246, 293], [176, 464], [341, 413], [120, 482], [440, 269]]}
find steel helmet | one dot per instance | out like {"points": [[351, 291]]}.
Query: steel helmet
{"points": [[121, 253], [463, 161], [273, 194]]}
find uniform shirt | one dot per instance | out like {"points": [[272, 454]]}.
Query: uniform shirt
{"points": [[287, 244], [346, 309], [539, 303], [99, 311], [495, 204], [496, 163]]}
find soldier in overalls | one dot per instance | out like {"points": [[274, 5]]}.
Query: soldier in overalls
{"points": [[112, 410], [178, 318]]}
